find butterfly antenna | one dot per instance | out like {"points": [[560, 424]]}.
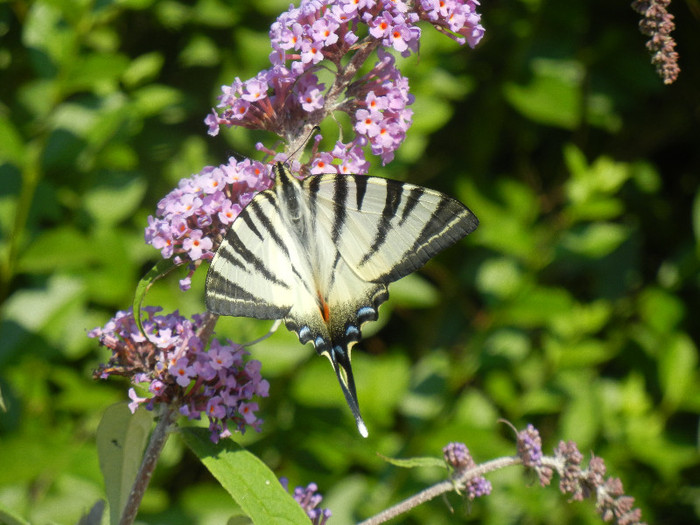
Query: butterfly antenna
{"points": [[301, 146], [340, 359], [271, 331]]}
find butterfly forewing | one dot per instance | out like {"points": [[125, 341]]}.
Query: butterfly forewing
{"points": [[251, 274], [388, 229]]}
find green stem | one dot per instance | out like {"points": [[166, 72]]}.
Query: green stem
{"points": [[31, 174]]}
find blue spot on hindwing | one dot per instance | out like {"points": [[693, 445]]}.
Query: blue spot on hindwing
{"points": [[321, 344], [352, 331], [366, 313], [304, 334]]}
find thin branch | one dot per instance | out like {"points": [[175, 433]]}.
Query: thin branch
{"points": [[441, 488], [158, 439]]}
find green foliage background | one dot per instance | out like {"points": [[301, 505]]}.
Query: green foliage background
{"points": [[574, 306]]}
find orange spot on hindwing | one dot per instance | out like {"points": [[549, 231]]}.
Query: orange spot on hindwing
{"points": [[324, 307]]}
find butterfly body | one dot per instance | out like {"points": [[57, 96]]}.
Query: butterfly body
{"points": [[320, 253]]}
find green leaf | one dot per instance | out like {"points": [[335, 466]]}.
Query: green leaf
{"points": [[596, 240], [200, 51], [57, 249], [115, 198], [578, 354], [33, 309], [660, 309], [152, 99], [677, 368], [414, 462], [580, 418], [8, 517], [414, 292], [249, 481], [96, 71], [162, 268], [538, 306], [121, 440], [582, 319], [603, 178], [94, 515], [143, 69], [11, 143], [216, 13], [500, 277], [696, 220], [553, 96], [511, 216], [44, 29], [383, 382], [510, 343]]}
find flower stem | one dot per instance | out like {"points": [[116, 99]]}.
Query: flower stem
{"points": [[441, 488], [159, 436]]}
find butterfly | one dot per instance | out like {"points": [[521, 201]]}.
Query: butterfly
{"points": [[319, 253]]}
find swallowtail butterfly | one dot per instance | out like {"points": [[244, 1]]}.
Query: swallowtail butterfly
{"points": [[320, 253]]}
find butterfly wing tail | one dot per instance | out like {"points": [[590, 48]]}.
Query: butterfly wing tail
{"points": [[340, 359]]}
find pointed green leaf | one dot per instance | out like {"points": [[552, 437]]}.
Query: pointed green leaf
{"points": [[249, 481], [162, 268], [115, 198], [12, 144], [94, 515], [9, 517], [121, 440], [427, 461], [677, 368], [696, 218]]}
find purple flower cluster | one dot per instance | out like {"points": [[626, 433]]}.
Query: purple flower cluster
{"points": [[191, 220], [530, 452], [457, 456], [174, 365], [530, 446], [343, 33], [344, 159], [611, 502], [310, 499], [658, 25]]}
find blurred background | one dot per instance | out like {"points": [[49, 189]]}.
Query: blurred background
{"points": [[573, 307]]}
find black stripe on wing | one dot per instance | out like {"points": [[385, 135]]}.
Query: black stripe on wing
{"points": [[449, 222], [286, 181], [232, 246], [361, 190], [314, 185], [230, 299], [245, 217], [340, 197], [256, 208], [394, 191], [412, 200]]}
